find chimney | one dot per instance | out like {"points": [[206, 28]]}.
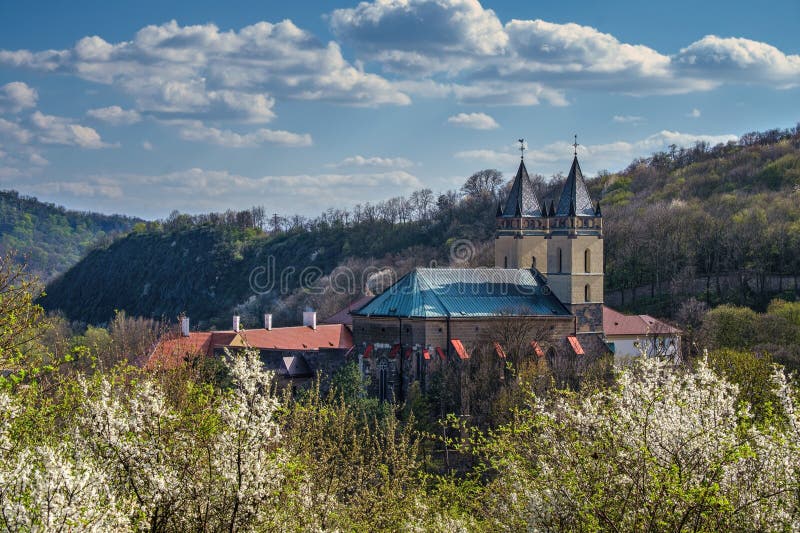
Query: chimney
{"points": [[268, 321], [184, 326], [310, 319], [235, 322]]}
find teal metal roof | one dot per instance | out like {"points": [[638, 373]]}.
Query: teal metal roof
{"points": [[466, 292]]}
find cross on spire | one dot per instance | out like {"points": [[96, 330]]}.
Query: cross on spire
{"points": [[575, 146], [521, 149]]}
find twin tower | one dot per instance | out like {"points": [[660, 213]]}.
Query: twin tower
{"points": [[563, 241]]}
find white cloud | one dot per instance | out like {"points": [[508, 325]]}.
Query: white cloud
{"points": [[51, 129], [147, 145], [694, 113], [418, 26], [115, 115], [16, 96], [201, 71], [361, 161], [463, 43], [14, 131], [475, 121], [739, 60], [197, 131]]}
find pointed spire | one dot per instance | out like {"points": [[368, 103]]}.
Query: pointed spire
{"points": [[499, 209], [597, 211], [522, 201], [575, 195], [552, 209]]}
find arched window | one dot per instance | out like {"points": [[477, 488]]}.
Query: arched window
{"points": [[587, 261], [533, 261], [587, 293], [383, 381], [505, 262], [560, 263]]}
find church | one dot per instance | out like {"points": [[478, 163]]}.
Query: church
{"points": [[548, 275]]}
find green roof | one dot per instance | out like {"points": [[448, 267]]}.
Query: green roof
{"points": [[466, 292]]}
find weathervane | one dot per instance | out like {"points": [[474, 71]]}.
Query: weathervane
{"points": [[575, 146], [521, 149]]}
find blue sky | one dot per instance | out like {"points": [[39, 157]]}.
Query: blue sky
{"points": [[145, 107]]}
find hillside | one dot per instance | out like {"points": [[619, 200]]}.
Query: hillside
{"points": [[50, 238], [204, 268], [721, 223]]}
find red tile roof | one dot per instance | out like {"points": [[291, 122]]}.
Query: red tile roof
{"points": [[615, 323], [576, 345], [299, 337], [172, 352], [460, 350]]}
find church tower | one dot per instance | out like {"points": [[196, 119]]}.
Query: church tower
{"points": [[575, 252], [521, 227], [563, 241]]}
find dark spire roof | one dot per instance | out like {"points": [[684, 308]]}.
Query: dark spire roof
{"points": [[575, 199], [597, 211], [522, 201], [552, 212], [499, 209]]}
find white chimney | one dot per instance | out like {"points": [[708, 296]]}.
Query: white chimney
{"points": [[235, 322], [184, 326], [310, 319], [268, 321]]}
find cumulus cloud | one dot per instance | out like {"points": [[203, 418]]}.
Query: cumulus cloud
{"points": [[361, 161], [739, 60], [201, 71], [475, 121], [197, 131], [115, 115], [419, 24], [50, 129], [459, 40], [16, 96], [694, 113], [487, 157], [147, 145]]}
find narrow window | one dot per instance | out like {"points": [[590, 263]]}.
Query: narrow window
{"points": [[560, 265], [383, 381], [533, 261], [587, 261], [505, 262], [587, 293]]}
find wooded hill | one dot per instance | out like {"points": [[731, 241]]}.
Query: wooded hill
{"points": [[50, 238], [717, 222]]}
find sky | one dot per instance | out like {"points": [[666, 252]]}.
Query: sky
{"points": [[146, 107]]}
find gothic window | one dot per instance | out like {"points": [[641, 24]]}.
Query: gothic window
{"points": [[383, 381], [560, 263], [587, 293], [505, 262], [421, 370], [533, 261], [587, 261]]}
